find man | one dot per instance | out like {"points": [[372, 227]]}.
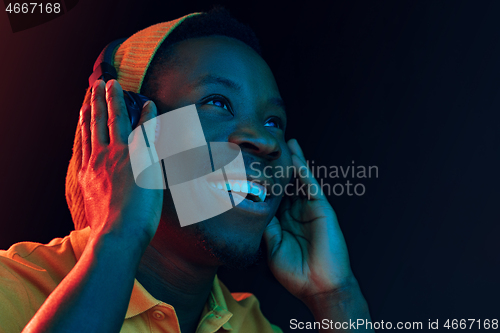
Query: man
{"points": [[130, 258]]}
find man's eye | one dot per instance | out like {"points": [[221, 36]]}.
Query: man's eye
{"points": [[273, 122], [219, 103]]}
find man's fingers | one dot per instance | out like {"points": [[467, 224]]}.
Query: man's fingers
{"points": [[304, 172], [118, 118], [99, 116], [272, 237], [314, 191], [85, 131], [295, 149], [149, 113]]}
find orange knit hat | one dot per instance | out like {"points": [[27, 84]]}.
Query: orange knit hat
{"points": [[131, 60]]}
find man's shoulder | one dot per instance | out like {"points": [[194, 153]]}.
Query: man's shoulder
{"points": [[28, 253], [29, 272], [41, 265]]}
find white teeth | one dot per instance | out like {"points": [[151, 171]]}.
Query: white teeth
{"points": [[236, 187], [258, 192], [255, 190], [243, 187], [262, 195]]}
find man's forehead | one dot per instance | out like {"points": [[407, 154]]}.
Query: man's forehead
{"points": [[217, 54]]}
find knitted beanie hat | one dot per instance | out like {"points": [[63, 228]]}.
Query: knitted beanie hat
{"points": [[131, 60]]}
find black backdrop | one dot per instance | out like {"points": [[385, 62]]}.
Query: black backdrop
{"points": [[409, 86]]}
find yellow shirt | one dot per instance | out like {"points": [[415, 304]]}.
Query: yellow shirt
{"points": [[29, 272]]}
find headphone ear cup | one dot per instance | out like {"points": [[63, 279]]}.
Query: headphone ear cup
{"points": [[134, 103]]}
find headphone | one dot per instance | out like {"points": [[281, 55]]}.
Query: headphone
{"points": [[104, 70]]}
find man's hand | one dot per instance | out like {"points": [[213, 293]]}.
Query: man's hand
{"points": [[123, 218], [307, 252], [106, 178]]}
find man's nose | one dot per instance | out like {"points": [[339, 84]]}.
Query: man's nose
{"points": [[256, 140]]}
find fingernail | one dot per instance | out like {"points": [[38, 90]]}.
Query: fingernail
{"points": [[109, 84], [146, 104], [83, 109], [96, 84]]}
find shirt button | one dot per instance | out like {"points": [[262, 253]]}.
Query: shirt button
{"points": [[158, 315]]}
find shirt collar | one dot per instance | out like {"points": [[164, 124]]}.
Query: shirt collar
{"points": [[141, 300]]}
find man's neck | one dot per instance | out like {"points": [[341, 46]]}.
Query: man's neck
{"points": [[178, 282]]}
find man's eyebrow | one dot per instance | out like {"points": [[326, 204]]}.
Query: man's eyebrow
{"points": [[215, 79], [277, 101]]}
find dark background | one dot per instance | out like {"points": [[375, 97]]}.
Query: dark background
{"points": [[409, 86]]}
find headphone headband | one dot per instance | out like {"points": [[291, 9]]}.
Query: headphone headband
{"points": [[104, 69], [103, 66]]}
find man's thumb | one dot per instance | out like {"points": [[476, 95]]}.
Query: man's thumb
{"points": [[149, 119]]}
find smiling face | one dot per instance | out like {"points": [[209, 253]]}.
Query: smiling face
{"points": [[238, 102]]}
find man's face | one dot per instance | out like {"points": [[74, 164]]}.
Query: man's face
{"points": [[237, 101]]}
